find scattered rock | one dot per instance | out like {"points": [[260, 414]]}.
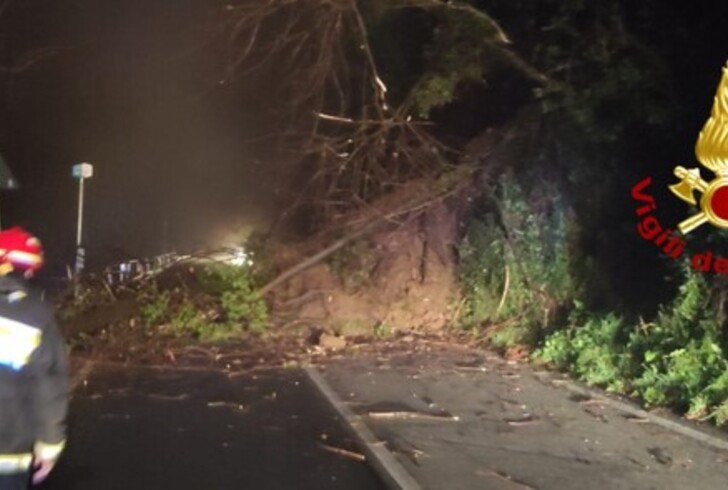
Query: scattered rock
{"points": [[661, 455], [332, 342]]}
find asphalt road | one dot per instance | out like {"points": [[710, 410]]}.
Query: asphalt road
{"points": [[152, 429], [458, 419]]}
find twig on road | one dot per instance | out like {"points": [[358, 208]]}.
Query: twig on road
{"points": [[524, 421], [180, 397], [343, 452], [412, 415], [233, 405]]}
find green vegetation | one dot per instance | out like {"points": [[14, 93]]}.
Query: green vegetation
{"points": [[514, 267], [677, 360], [582, 99], [225, 306], [517, 275], [550, 259], [238, 296]]}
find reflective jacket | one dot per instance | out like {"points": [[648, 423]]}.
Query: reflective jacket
{"points": [[34, 381]]}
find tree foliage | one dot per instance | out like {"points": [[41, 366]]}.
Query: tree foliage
{"points": [[380, 92], [364, 84], [334, 60]]}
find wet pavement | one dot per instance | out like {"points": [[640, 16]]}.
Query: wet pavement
{"points": [[463, 420], [151, 429], [444, 418]]}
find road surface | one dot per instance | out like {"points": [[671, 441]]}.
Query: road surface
{"points": [[137, 428]]}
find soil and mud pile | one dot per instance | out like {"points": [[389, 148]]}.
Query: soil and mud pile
{"points": [[400, 276], [387, 272]]}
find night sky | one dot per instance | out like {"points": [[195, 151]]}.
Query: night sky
{"points": [[131, 88]]}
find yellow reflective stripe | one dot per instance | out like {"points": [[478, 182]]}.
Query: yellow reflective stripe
{"points": [[49, 451], [15, 463], [17, 342], [17, 296]]}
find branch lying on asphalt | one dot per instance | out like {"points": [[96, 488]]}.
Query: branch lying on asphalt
{"points": [[412, 415], [180, 397], [343, 452], [233, 405], [522, 421]]}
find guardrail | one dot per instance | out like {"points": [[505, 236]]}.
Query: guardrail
{"points": [[117, 275], [136, 269]]}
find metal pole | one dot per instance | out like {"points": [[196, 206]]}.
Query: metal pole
{"points": [[80, 212], [80, 252]]}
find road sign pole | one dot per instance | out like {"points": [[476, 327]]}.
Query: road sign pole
{"points": [[82, 171], [79, 229], [80, 253]]}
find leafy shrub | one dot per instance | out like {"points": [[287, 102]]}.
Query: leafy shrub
{"points": [[227, 306], [514, 266], [481, 271], [682, 358], [589, 347], [238, 295], [155, 307], [189, 319], [678, 360]]}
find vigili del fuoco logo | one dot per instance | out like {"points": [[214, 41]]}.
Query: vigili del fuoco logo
{"points": [[711, 151]]}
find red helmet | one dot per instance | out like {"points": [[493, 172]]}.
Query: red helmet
{"points": [[20, 249]]}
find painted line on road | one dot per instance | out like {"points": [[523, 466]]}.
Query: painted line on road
{"points": [[395, 476]]}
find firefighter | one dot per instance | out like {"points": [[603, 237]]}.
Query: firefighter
{"points": [[34, 385]]}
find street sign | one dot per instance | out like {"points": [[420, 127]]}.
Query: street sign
{"points": [[83, 171], [7, 180]]}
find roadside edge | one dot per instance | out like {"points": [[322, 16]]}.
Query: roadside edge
{"points": [[384, 463], [678, 426]]}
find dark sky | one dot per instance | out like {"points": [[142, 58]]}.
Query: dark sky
{"points": [[131, 89]]}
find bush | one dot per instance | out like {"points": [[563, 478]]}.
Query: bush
{"points": [[514, 266], [227, 305], [678, 360], [155, 305], [238, 294], [590, 348]]}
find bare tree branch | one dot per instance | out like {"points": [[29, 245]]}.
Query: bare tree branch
{"points": [[319, 52]]}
